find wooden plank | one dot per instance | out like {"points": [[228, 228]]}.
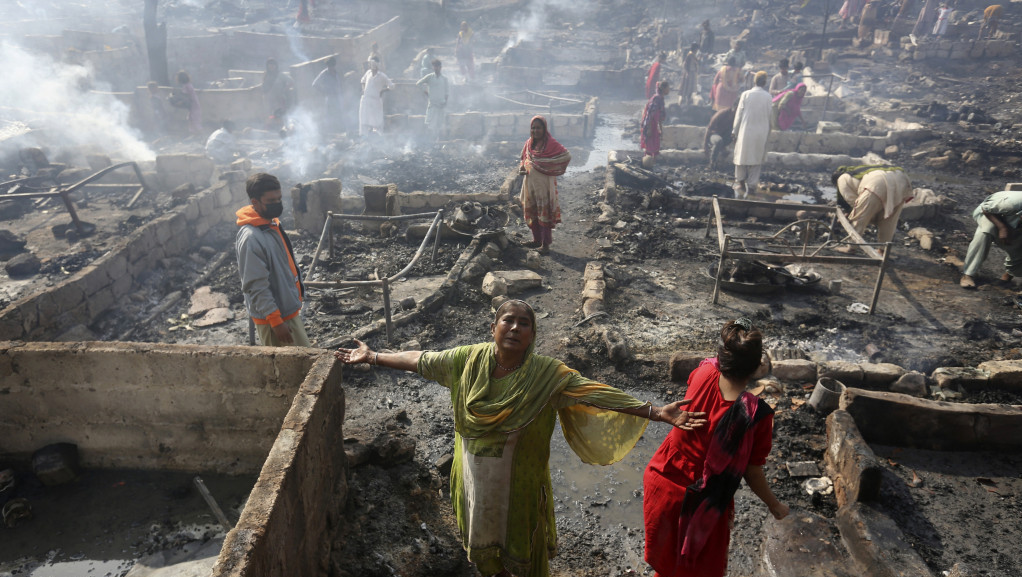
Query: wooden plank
{"points": [[720, 224]]}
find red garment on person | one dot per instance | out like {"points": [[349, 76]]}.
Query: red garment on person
{"points": [[652, 79], [677, 464]]}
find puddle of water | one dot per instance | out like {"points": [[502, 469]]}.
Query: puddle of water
{"points": [[80, 568], [614, 492], [102, 523], [609, 135], [828, 193]]}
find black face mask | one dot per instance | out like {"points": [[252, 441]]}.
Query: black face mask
{"points": [[273, 210]]}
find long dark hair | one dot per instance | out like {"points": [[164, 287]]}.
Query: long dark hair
{"points": [[740, 349]]}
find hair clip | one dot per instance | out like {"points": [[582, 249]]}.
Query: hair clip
{"points": [[745, 323]]}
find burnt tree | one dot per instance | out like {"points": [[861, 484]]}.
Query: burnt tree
{"points": [[156, 44]]}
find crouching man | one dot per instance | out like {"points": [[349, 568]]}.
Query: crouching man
{"points": [[874, 194], [997, 219]]}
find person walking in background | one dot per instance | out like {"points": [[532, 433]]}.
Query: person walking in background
{"points": [[751, 131], [689, 75], [374, 52], [437, 91], [328, 84], [689, 485], [543, 160], [270, 279], [653, 77], [506, 402], [706, 40], [779, 82], [725, 89], [940, 26], [278, 92], [787, 108], [194, 108], [463, 53], [370, 107], [653, 120]]}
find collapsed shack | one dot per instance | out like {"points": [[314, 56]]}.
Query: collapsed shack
{"points": [[139, 275]]}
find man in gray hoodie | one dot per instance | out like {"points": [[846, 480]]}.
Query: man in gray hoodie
{"points": [[269, 272]]}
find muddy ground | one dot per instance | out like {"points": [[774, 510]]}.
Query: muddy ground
{"points": [[398, 513]]}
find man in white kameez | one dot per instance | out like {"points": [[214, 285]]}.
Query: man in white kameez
{"points": [[370, 107], [436, 107], [751, 130]]}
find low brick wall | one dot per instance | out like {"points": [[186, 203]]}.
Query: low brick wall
{"points": [[48, 313], [682, 137], [479, 126], [288, 524], [957, 50], [149, 406], [905, 421]]}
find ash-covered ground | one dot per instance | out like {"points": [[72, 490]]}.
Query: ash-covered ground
{"points": [[398, 520]]}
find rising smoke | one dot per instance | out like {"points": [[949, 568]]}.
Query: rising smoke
{"points": [[538, 16], [55, 99]]}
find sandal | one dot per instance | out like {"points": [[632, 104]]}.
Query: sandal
{"points": [[545, 249]]}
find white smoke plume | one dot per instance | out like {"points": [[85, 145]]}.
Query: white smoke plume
{"points": [[538, 17], [51, 96]]}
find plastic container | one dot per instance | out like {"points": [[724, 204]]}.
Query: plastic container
{"points": [[826, 395]]}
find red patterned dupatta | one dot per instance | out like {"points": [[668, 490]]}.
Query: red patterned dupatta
{"points": [[727, 457], [552, 159]]}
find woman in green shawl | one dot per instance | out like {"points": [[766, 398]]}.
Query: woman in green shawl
{"points": [[506, 399]]}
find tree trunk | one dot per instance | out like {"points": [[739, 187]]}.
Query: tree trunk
{"points": [[924, 17], [156, 44], [906, 7]]}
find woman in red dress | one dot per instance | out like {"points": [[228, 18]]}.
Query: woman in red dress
{"points": [[689, 485]]}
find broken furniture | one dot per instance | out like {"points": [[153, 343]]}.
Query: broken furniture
{"points": [[327, 236], [775, 249], [64, 192]]}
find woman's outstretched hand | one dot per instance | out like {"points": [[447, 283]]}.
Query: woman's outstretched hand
{"points": [[779, 510], [354, 356], [684, 420]]}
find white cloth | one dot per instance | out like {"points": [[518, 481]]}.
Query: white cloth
{"points": [[940, 26], [221, 146], [752, 127], [370, 107]]}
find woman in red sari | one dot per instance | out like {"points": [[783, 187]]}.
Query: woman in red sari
{"points": [[653, 120], [689, 485], [653, 78], [543, 160]]}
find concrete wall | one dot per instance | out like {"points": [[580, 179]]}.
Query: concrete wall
{"points": [[480, 126], [681, 137], [957, 50], [905, 421], [149, 406], [82, 297], [351, 51], [288, 524]]}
